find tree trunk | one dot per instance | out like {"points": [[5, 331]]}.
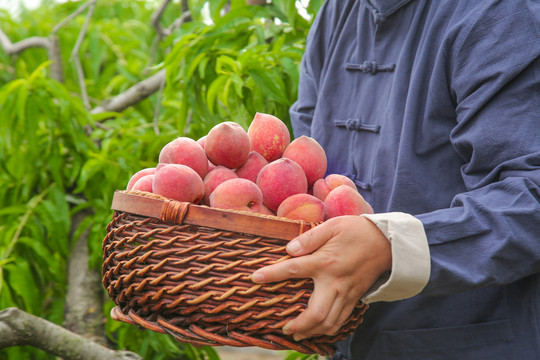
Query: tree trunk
{"points": [[19, 328]]}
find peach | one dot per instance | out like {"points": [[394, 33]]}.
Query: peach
{"points": [[202, 141], [185, 151], [178, 182], [266, 211], [139, 174], [237, 194], [144, 183], [280, 179], [322, 187], [310, 155], [251, 168], [214, 178], [344, 200], [211, 166], [269, 136], [227, 144], [302, 207]]}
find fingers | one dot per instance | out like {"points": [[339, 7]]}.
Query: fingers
{"points": [[311, 240], [294, 268], [301, 267], [327, 311], [319, 308], [343, 256]]}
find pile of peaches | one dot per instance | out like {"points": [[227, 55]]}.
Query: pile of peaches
{"points": [[259, 171]]}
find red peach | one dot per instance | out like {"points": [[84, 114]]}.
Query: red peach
{"points": [[178, 182], [266, 211], [251, 168], [237, 194], [139, 174], [310, 155], [344, 200], [269, 136], [144, 183], [322, 187], [214, 178], [302, 207], [202, 141], [185, 151], [211, 166], [280, 179], [227, 144]]}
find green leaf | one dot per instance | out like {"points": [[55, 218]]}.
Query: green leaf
{"points": [[89, 169], [22, 283], [268, 85], [201, 58], [106, 115], [213, 91], [13, 210], [38, 72], [238, 85], [216, 6], [226, 65]]}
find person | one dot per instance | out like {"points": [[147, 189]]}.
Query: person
{"points": [[433, 109]]}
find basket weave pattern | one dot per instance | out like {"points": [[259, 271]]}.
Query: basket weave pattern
{"points": [[194, 282]]}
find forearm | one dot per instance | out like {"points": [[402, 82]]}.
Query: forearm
{"points": [[489, 237]]}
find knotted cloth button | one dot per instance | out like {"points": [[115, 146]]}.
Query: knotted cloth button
{"points": [[370, 67], [379, 18], [351, 124], [357, 125]]}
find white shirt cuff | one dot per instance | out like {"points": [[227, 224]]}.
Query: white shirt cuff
{"points": [[411, 264]]}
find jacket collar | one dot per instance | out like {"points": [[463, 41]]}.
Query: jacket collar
{"points": [[382, 9]]}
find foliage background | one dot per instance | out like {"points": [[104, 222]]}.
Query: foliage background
{"points": [[58, 159]]}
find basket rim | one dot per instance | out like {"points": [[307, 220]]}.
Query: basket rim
{"points": [[177, 212]]}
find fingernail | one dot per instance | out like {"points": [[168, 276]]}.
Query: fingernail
{"points": [[286, 330], [257, 277], [298, 337], [293, 247]]}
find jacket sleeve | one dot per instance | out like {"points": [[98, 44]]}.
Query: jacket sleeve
{"points": [[491, 233]]}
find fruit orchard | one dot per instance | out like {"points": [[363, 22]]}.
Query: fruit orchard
{"points": [[90, 92]]}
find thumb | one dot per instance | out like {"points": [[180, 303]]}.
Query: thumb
{"points": [[311, 240]]}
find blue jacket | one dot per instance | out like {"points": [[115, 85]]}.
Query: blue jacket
{"points": [[433, 109]]}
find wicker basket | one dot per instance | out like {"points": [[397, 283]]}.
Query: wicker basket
{"points": [[184, 269]]}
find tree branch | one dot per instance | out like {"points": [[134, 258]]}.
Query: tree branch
{"points": [[72, 16], [186, 15], [19, 328], [255, 2], [158, 14], [55, 55], [20, 46], [133, 95], [156, 18], [75, 53]]}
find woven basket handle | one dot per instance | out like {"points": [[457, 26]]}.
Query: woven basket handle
{"points": [[177, 212]]}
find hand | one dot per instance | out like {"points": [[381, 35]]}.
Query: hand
{"points": [[344, 256]]}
